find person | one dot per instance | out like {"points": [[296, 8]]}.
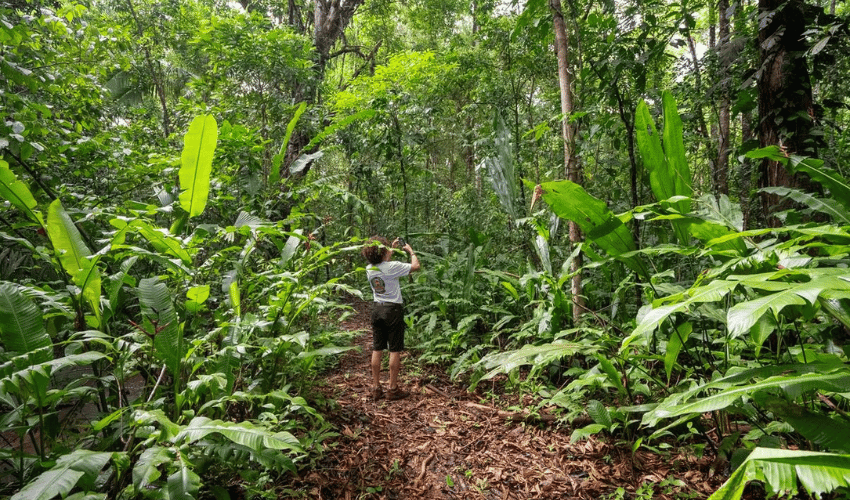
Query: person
{"points": [[388, 310]]}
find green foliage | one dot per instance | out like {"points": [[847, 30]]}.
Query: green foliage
{"points": [[196, 164]]}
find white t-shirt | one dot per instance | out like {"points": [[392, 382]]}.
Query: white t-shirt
{"points": [[384, 277]]}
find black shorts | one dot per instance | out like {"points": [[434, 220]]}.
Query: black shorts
{"points": [[388, 327]]}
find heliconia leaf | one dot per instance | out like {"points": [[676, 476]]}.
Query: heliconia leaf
{"points": [[245, 433], [65, 475], [839, 187], [146, 470], [712, 292], [183, 483], [830, 207], [570, 201], [506, 361], [162, 242], [88, 279], [274, 175], [18, 193], [196, 164], [743, 315], [837, 380], [818, 473], [158, 309], [669, 174], [599, 413], [674, 346], [21, 323], [832, 434], [674, 149], [66, 239]]}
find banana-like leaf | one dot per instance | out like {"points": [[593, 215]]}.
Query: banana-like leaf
{"points": [[839, 187], [501, 167], [837, 304], [832, 434], [18, 193], [160, 316], [196, 164], [570, 201], [163, 242], [146, 470], [781, 470], [183, 483], [669, 174], [244, 433], [743, 315], [66, 239], [712, 292], [65, 475], [88, 279], [274, 175], [507, 361], [599, 413], [830, 206], [837, 380], [21, 323]]}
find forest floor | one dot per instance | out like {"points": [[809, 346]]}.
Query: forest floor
{"points": [[444, 442]]}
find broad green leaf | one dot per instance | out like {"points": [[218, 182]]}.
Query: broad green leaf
{"points": [[818, 473], [344, 122], [674, 346], [830, 207], [196, 164], [611, 372], [674, 149], [839, 187], [245, 433], [507, 361], [66, 239], [831, 434], [743, 315], [159, 313], [838, 381], [599, 413], [669, 174], [837, 304], [712, 292], [183, 483], [585, 432], [162, 241], [63, 477], [21, 323], [570, 201], [274, 175], [18, 193], [88, 279]]}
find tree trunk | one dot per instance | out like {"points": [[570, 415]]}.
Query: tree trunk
{"points": [[721, 166], [572, 167], [785, 95]]}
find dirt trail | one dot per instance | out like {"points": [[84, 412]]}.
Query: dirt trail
{"points": [[445, 443]]}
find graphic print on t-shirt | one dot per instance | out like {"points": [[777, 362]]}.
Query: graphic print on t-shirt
{"points": [[378, 285]]}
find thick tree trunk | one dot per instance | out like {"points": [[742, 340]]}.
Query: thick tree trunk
{"points": [[572, 166], [785, 95]]}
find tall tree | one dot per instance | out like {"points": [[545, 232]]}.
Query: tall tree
{"points": [[571, 164], [786, 114]]}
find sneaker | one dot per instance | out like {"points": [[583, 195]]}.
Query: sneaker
{"points": [[377, 393], [397, 393]]}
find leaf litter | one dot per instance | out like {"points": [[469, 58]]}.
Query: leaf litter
{"points": [[444, 442]]}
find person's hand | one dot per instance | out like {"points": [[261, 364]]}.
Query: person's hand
{"points": [[396, 243]]}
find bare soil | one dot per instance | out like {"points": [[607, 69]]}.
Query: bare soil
{"points": [[444, 442]]}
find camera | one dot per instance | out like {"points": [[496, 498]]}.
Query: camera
{"points": [[401, 242]]}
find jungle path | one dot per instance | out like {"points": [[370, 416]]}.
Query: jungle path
{"points": [[446, 443]]}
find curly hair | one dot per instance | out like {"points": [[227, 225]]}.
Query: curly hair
{"points": [[375, 249]]}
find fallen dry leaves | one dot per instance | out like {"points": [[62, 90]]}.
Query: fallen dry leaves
{"points": [[446, 443]]}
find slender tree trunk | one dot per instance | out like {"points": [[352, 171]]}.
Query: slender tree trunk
{"points": [[721, 167], [572, 166]]}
